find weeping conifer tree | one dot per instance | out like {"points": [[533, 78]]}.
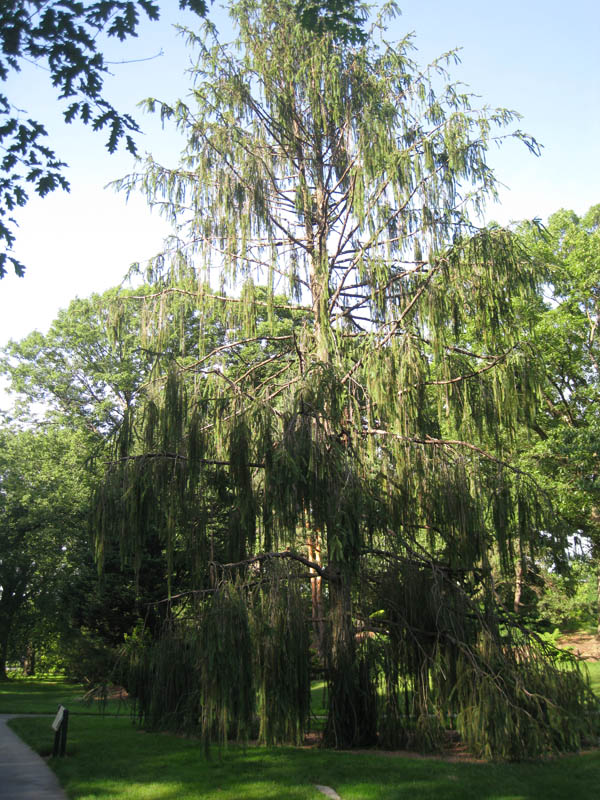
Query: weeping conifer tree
{"points": [[348, 406]]}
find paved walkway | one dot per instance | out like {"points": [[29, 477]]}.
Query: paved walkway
{"points": [[23, 774]]}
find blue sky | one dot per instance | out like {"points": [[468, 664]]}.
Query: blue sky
{"points": [[540, 58]]}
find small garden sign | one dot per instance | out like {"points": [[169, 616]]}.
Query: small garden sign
{"points": [[60, 727]]}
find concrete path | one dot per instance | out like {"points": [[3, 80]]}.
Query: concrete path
{"points": [[328, 791], [23, 774]]}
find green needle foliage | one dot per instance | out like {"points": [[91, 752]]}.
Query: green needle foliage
{"points": [[283, 663], [346, 409]]}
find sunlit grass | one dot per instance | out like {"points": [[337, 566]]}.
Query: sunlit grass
{"points": [[43, 696], [108, 759], [318, 698], [594, 672]]}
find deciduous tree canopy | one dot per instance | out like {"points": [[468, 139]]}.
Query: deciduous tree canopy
{"points": [[63, 37], [44, 500], [564, 441]]}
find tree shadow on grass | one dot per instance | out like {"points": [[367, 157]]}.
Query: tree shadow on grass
{"points": [[110, 758]]}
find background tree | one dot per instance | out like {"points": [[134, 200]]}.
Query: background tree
{"points": [[90, 367], [44, 495], [565, 437]]}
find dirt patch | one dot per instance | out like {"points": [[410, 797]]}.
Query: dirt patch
{"points": [[453, 751], [103, 693], [583, 645], [458, 754]]}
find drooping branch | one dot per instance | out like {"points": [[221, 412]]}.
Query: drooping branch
{"points": [[177, 457], [323, 572]]}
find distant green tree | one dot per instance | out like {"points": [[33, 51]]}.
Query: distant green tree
{"points": [[89, 368], [569, 601], [564, 444], [44, 497]]}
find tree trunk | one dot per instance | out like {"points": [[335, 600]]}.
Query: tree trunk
{"points": [[318, 615], [29, 662], [598, 594], [4, 637], [518, 583], [352, 713]]}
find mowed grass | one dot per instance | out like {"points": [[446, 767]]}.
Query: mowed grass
{"points": [[110, 759], [43, 696], [318, 698], [593, 668]]}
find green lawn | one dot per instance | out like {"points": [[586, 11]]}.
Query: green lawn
{"points": [[594, 671], [318, 698], [43, 696], [108, 758]]}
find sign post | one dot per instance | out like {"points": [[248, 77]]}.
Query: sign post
{"points": [[60, 727]]}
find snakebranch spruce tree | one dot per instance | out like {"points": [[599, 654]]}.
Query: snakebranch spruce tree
{"points": [[327, 457]]}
